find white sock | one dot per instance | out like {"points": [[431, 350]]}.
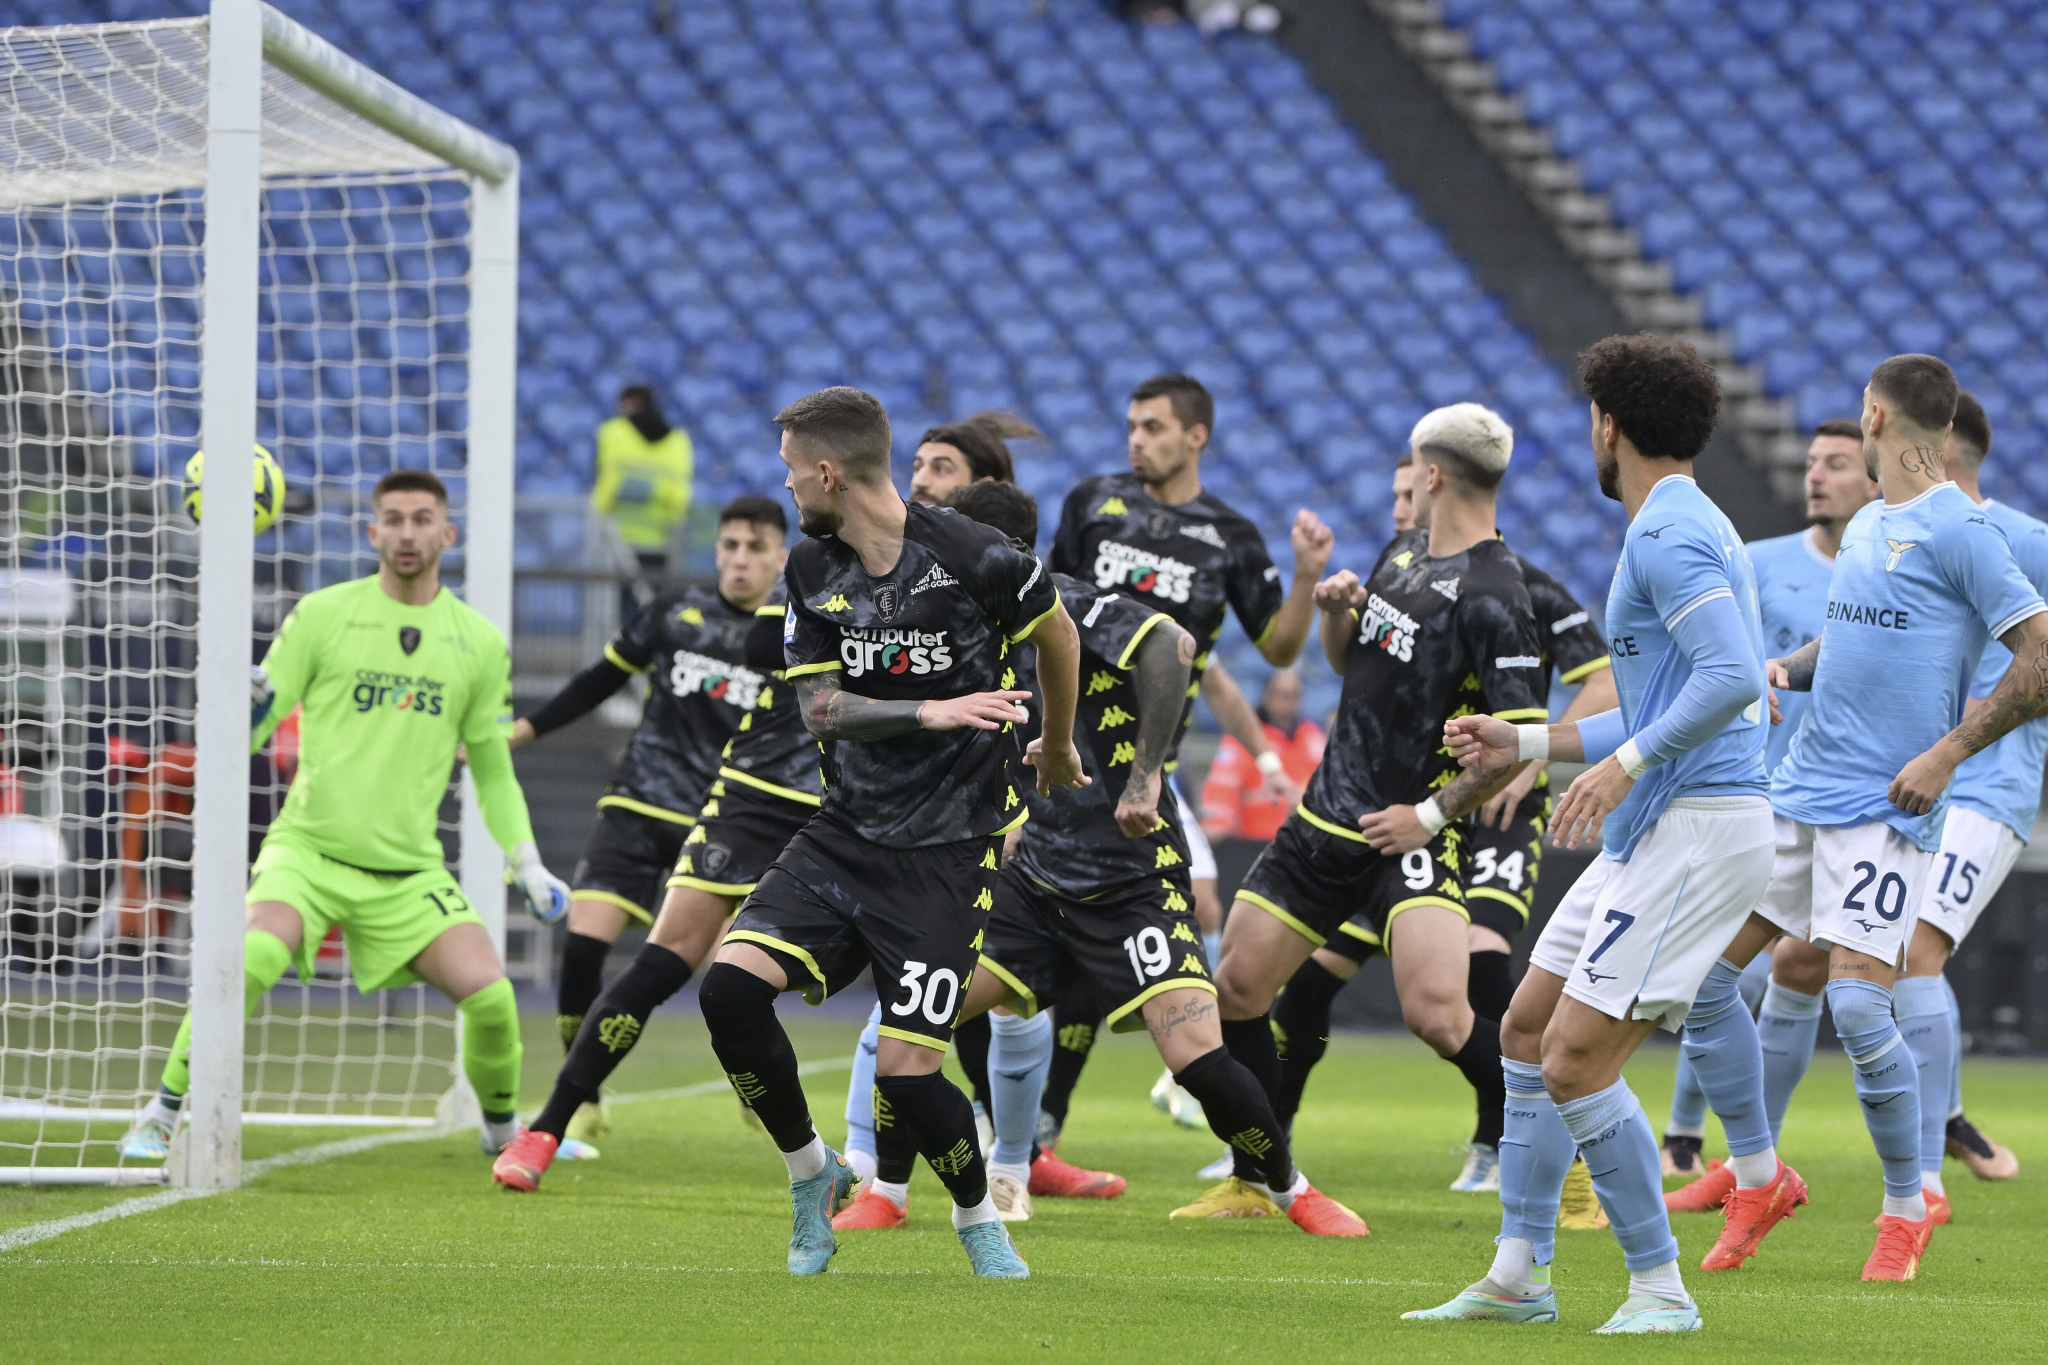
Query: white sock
{"points": [[157, 1109], [863, 1163], [1020, 1173], [1659, 1281], [1284, 1198], [1755, 1170], [1515, 1270], [1912, 1208], [496, 1135], [806, 1161], [984, 1212], [899, 1195], [1691, 1130], [1930, 1183]]}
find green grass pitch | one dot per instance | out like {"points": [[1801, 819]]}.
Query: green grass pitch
{"points": [[671, 1246]]}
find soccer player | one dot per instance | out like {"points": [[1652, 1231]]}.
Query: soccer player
{"points": [[394, 673], [900, 618], [1503, 855], [1924, 578], [1676, 792], [1442, 626], [768, 787], [1791, 596], [1155, 533], [955, 454], [691, 644]]}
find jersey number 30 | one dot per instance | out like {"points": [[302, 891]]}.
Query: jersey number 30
{"points": [[922, 989]]}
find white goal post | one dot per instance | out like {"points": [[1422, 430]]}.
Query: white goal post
{"points": [[118, 144]]}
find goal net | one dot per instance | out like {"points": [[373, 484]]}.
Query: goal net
{"points": [[362, 362]]}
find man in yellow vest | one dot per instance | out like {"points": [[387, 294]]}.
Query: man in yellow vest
{"points": [[643, 476]]}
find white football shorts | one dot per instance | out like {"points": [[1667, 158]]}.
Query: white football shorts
{"points": [[1856, 885], [1977, 853]]}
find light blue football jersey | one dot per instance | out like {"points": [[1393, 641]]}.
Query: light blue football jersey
{"points": [[2004, 782], [1917, 590], [1680, 553], [1792, 598]]}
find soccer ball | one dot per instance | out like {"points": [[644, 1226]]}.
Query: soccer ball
{"points": [[269, 488]]}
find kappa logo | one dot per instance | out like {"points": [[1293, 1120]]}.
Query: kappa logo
{"points": [[1448, 587], [837, 602], [408, 638], [935, 577], [690, 616], [1899, 548], [1112, 507], [1204, 532]]}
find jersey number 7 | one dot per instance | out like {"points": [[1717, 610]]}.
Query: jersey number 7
{"points": [[1621, 920]]}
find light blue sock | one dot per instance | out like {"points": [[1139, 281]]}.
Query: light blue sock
{"points": [[1721, 1043], [1887, 1081], [1614, 1136], [1212, 948], [1921, 1007], [1756, 979], [1955, 1052], [1786, 1025], [1535, 1156], [1019, 1055], [860, 1091], [1688, 1101]]}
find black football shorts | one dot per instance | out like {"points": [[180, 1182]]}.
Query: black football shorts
{"points": [[1500, 866], [626, 861], [739, 834], [1339, 892]]}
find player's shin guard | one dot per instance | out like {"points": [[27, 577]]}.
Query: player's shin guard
{"points": [[1075, 1021], [895, 1140], [491, 1050], [1688, 1101], [1301, 1031], [739, 1011], [941, 1121], [1887, 1081], [1921, 1007], [1017, 1060], [1480, 1060], [1251, 1042], [1614, 1136], [264, 958], [1240, 1112], [577, 988], [860, 1100], [972, 1041], [1786, 1024], [1490, 983], [616, 1020], [1720, 1044], [1536, 1151]]}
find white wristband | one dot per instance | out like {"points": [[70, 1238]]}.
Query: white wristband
{"points": [[1533, 741], [1631, 759], [1431, 816], [1269, 763]]}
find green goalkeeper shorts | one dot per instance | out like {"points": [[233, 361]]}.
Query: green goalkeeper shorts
{"points": [[387, 918]]}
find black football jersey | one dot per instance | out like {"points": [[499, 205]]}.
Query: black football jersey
{"points": [[771, 749], [1073, 844], [1192, 561], [938, 624], [1567, 636], [1436, 638], [692, 646]]}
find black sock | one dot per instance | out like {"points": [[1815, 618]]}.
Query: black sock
{"points": [[1489, 983], [1240, 1113], [1250, 1041], [970, 1044], [1074, 1022], [895, 1143], [942, 1121], [1301, 1030], [581, 979], [619, 1015], [1479, 1059], [739, 1010]]}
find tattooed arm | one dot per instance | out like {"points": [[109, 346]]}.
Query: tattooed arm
{"points": [[1794, 672], [2021, 695], [1160, 676], [831, 712]]}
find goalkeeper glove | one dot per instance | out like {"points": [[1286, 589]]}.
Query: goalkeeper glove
{"points": [[261, 695], [547, 896]]}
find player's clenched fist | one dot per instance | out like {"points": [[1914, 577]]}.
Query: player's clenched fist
{"points": [[1340, 592], [1312, 541], [1482, 742]]}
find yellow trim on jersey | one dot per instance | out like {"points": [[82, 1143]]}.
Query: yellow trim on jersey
{"points": [[634, 910], [1329, 827], [786, 793], [1268, 631], [618, 660], [1056, 604], [776, 610], [1017, 823], [714, 888], [1285, 918], [1125, 1011], [1504, 897], [1022, 992], [1586, 669], [1523, 713], [802, 669], [1362, 935], [921, 1039], [1447, 904], [815, 997], [1124, 661], [642, 808]]}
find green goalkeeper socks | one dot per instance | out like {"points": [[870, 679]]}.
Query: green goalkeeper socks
{"points": [[264, 958], [491, 1049]]}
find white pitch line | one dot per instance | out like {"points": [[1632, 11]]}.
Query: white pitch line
{"points": [[16, 1238]]}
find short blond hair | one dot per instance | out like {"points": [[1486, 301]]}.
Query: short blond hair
{"points": [[1476, 440]]}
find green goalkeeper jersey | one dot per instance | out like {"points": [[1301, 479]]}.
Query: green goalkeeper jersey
{"points": [[388, 692]]}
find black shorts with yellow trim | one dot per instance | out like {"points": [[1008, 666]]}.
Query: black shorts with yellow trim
{"points": [[627, 858], [834, 904], [1337, 891], [1125, 945], [1501, 865], [743, 828]]}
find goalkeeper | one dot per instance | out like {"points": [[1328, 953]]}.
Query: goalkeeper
{"points": [[394, 671]]}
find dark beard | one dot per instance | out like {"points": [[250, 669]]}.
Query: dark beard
{"points": [[817, 523], [1610, 478]]}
